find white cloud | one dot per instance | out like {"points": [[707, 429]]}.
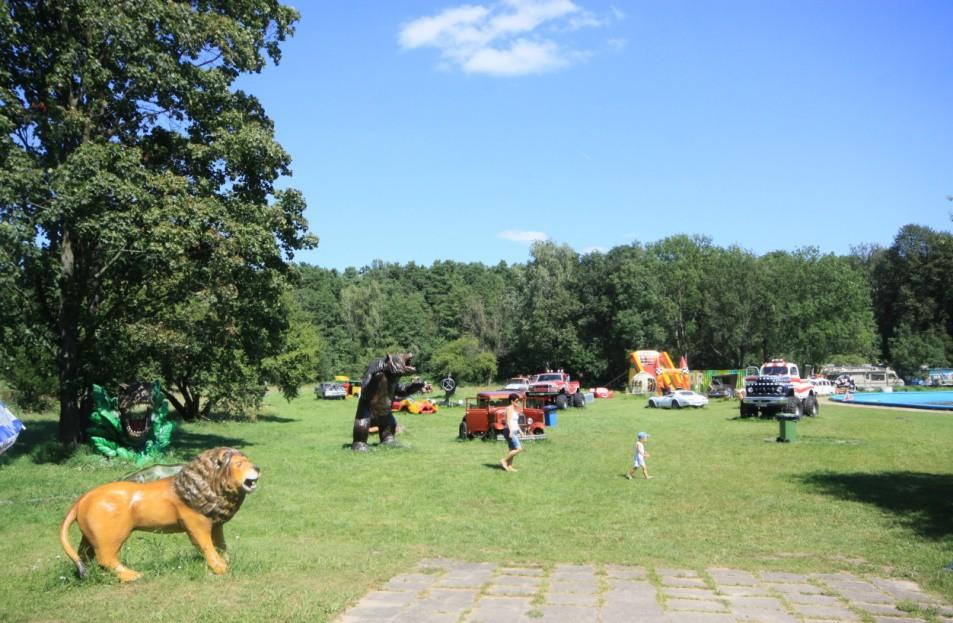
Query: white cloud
{"points": [[523, 57], [617, 44], [504, 38], [526, 237]]}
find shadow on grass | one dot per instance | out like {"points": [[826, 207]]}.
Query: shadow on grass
{"points": [[495, 466], [39, 439], [275, 418], [922, 502], [187, 442]]}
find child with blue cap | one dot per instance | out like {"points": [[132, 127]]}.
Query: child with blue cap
{"points": [[640, 456]]}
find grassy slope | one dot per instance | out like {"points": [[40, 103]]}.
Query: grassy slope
{"points": [[865, 490]]}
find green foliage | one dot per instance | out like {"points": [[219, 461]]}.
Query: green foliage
{"points": [[548, 312], [913, 298], [137, 194], [30, 374], [721, 307], [912, 351], [464, 359], [299, 360]]}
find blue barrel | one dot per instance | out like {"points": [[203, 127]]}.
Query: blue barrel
{"points": [[549, 415]]}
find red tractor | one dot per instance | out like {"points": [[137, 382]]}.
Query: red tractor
{"points": [[486, 415]]}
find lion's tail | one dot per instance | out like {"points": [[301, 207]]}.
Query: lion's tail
{"points": [[64, 541]]}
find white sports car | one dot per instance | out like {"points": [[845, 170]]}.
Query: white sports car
{"points": [[678, 399]]}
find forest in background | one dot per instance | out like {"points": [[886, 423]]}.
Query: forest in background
{"points": [[721, 307]]}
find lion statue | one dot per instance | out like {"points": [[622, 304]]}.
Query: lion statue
{"points": [[380, 386], [199, 499]]}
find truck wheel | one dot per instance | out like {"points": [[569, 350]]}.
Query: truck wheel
{"points": [[578, 401], [464, 432], [562, 401], [811, 408], [795, 406]]}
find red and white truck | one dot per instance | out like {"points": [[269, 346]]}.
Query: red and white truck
{"points": [[777, 386]]}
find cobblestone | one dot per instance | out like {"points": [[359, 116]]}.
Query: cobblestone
{"points": [[440, 590]]}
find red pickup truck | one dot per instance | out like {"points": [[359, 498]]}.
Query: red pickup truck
{"points": [[563, 390]]}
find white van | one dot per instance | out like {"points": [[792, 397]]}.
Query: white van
{"points": [[822, 387]]}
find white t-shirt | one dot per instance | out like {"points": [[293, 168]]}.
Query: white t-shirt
{"points": [[512, 419]]}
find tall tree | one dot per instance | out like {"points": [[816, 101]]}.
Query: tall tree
{"points": [[129, 164], [913, 297], [549, 312]]}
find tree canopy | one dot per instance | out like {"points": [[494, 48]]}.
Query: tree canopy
{"points": [[720, 307], [140, 228]]}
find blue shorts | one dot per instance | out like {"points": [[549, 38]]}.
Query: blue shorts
{"points": [[514, 441], [638, 461]]}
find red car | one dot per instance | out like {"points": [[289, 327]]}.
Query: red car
{"points": [[486, 415]]}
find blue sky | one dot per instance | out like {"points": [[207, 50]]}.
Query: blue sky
{"points": [[427, 130]]}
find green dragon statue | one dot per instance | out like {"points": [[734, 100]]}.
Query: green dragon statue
{"points": [[136, 427]]}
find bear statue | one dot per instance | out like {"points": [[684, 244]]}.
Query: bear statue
{"points": [[379, 388]]}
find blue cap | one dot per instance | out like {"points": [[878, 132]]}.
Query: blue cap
{"points": [[643, 435]]}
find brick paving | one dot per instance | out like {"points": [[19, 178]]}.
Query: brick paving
{"points": [[447, 591]]}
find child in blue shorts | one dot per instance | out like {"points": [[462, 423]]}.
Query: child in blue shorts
{"points": [[639, 461]]}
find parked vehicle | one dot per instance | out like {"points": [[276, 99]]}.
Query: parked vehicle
{"points": [[777, 386], [822, 387], [678, 399], [865, 377], [564, 391], [939, 377], [330, 391], [517, 383], [486, 415], [720, 390]]}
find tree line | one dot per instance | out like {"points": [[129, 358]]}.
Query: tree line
{"points": [[720, 307]]}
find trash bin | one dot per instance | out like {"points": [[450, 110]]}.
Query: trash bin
{"points": [[549, 415], [787, 424]]}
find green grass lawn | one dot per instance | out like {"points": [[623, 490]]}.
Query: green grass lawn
{"points": [[865, 490]]}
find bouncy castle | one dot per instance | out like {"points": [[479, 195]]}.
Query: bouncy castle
{"points": [[651, 371]]}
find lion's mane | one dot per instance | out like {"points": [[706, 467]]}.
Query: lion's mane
{"points": [[206, 486]]}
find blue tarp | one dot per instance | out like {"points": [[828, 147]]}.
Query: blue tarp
{"points": [[10, 428]]}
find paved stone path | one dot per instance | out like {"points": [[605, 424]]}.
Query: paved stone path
{"points": [[447, 591]]}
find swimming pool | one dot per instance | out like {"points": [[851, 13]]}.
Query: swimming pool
{"points": [[916, 400]]}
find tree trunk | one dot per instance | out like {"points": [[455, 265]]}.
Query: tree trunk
{"points": [[188, 407], [70, 385]]}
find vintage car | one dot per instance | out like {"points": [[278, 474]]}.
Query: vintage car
{"points": [[330, 391], [485, 415], [678, 399], [517, 383]]}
